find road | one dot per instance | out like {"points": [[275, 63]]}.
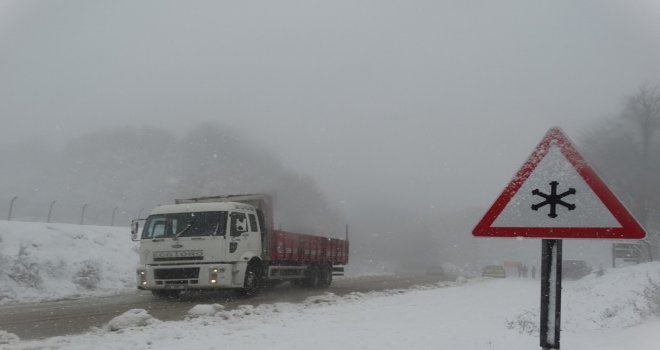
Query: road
{"points": [[64, 317]]}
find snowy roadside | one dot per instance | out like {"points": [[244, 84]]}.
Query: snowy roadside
{"points": [[475, 314], [43, 261]]}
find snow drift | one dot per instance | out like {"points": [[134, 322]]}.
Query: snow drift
{"points": [[43, 261]]}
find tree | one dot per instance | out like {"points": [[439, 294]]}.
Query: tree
{"points": [[643, 110], [627, 153]]}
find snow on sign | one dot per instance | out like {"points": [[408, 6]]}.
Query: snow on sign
{"points": [[556, 195]]}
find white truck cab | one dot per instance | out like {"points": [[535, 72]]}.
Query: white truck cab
{"points": [[198, 245]]}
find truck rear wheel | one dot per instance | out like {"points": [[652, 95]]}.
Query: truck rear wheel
{"points": [[325, 276], [312, 277]]}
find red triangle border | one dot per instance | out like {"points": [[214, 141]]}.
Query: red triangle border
{"points": [[630, 228]]}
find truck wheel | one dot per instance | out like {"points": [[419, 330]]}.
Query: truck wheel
{"points": [[325, 278], [253, 281], [298, 282], [166, 293], [312, 277]]}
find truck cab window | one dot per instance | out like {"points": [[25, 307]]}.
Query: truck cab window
{"points": [[239, 224], [253, 223], [205, 224], [157, 228], [185, 225]]}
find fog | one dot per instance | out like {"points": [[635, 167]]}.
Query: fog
{"points": [[405, 119]]}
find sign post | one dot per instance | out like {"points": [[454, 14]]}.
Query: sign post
{"points": [[550, 293], [556, 195]]}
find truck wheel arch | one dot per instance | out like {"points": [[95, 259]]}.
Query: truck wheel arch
{"points": [[250, 256]]}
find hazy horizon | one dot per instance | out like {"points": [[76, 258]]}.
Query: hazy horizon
{"points": [[429, 107]]}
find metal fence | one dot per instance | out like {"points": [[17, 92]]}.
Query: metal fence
{"points": [[17, 208]]}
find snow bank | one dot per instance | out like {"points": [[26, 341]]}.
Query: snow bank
{"points": [[607, 299], [131, 319], [8, 338], [205, 310], [43, 261]]}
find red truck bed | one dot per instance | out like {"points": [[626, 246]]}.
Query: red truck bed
{"points": [[297, 247]]}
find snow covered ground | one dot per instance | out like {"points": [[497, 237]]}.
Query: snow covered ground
{"points": [[41, 261], [606, 311]]}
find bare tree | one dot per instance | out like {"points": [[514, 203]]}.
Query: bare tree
{"points": [[626, 152], [643, 110]]}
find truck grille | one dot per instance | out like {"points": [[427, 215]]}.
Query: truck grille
{"points": [[178, 255], [174, 274]]}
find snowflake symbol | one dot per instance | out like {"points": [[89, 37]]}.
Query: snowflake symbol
{"points": [[553, 199]]}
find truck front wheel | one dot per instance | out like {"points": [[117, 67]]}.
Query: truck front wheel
{"points": [[253, 281]]}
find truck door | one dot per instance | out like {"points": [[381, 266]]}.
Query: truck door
{"points": [[238, 235]]}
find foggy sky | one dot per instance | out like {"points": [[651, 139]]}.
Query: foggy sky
{"points": [[421, 103]]}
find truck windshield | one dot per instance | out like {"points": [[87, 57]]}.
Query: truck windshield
{"points": [[185, 225]]}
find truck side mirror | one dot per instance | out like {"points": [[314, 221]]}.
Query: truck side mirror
{"points": [[135, 228]]}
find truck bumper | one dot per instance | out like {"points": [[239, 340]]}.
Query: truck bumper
{"points": [[203, 276]]}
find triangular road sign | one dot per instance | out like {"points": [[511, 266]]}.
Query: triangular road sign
{"points": [[555, 195]]}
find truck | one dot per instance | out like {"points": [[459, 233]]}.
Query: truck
{"points": [[229, 242]]}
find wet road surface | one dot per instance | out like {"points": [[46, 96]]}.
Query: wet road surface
{"points": [[63, 317]]}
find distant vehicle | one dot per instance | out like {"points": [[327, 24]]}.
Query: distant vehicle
{"points": [[435, 271], [228, 242], [496, 271], [574, 269]]}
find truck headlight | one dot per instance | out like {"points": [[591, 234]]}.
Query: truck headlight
{"points": [[213, 274], [142, 277]]}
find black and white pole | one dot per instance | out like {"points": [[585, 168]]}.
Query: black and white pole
{"points": [[550, 293]]}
